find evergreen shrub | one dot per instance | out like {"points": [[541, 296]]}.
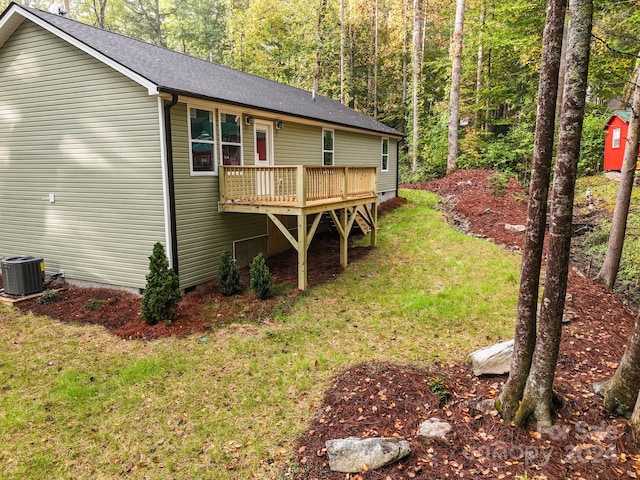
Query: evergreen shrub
{"points": [[162, 293], [228, 275], [261, 279]]}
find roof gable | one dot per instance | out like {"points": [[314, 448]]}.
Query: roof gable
{"points": [[159, 69], [624, 115]]}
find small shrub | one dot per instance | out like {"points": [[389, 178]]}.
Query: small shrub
{"points": [[228, 275], [49, 296], [439, 389], [162, 292], [261, 280], [94, 304], [498, 182]]}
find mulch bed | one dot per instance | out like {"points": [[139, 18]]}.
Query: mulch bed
{"points": [[384, 399]]}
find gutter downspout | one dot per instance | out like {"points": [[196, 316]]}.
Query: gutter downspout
{"points": [[397, 165], [170, 181]]}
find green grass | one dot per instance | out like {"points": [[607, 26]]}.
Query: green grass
{"points": [[79, 403], [604, 193]]}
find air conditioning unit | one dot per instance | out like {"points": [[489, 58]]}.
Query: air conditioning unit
{"points": [[22, 275]]}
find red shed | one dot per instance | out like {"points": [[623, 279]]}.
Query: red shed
{"points": [[615, 139]]}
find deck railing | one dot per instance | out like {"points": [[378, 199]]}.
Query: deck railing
{"points": [[295, 186]]}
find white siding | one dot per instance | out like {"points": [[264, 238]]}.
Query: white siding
{"points": [[73, 127]]}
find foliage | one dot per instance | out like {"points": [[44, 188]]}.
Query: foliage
{"points": [[439, 389], [94, 304], [229, 275], [261, 280], [592, 145], [161, 295], [498, 182], [49, 296]]}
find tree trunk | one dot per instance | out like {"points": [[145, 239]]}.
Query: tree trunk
{"points": [[538, 392], [621, 390], [417, 42], [634, 421], [525, 333], [454, 98], [319, 47], [611, 264], [480, 59], [343, 98]]}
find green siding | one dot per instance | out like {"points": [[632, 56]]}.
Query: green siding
{"points": [[74, 127], [203, 233]]}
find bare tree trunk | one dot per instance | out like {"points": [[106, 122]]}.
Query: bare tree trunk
{"points": [[375, 63], [538, 392], [405, 54], [621, 390], [343, 98], [525, 333], [319, 47], [454, 98], [417, 61], [611, 264], [477, 115], [634, 421]]}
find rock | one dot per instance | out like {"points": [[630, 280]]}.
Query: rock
{"points": [[435, 430], [486, 405], [351, 455], [514, 228], [492, 360], [569, 315]]}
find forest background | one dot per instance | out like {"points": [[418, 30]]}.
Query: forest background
{"points": [[360, 52]]}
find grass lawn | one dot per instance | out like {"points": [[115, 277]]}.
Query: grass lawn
{"points": [[78, 402]]}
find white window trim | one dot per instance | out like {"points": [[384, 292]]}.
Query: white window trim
{"points": [[213, 142], [241, 144], [383, 155], [268, 125], [615, 138], [333, 150]]}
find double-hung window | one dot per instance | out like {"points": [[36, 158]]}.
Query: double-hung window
{"points": [[327, 148], [201, 142], [385, 155], [231, 138], [615, 138]]}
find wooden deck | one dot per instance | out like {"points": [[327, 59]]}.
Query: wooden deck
{"points": [[348, 194]]}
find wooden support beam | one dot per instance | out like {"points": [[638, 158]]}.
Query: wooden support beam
{"points": [[302, 252], [284, 230], [373, 213], [344, 238], [314, 227]]}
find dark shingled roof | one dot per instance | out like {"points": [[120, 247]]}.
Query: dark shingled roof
{"points": [[176, 72]]}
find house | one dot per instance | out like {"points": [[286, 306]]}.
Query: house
{"points": [[109, 145], [615, 139]]}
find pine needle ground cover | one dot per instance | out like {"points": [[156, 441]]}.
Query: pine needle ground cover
{"points": [[78, 402]]}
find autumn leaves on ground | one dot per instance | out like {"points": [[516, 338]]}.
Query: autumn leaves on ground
{"points": [[383, 398]]}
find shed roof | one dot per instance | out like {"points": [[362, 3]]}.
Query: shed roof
{"points": [[169, 71], [624, 115]]}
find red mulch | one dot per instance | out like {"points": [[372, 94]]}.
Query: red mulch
{"points": [[381, 399], [384, 399]]}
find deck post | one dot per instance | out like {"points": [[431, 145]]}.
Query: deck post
{"points": [[302, 251], [222, 186], [301, 186], [374, 222], [344, 238], [345, 183]]}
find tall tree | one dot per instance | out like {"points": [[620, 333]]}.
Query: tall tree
{"points": [[454, 98], [525, 334], [538, 393], [611, 264], [417, 65]]}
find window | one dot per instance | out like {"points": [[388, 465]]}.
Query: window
{"points": [[327, 147], [615, 139], [231, 139], [201, 141], [385, 155]]}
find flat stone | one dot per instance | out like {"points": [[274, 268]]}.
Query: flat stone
{"points": [[435, 430], [492, 360], [514, 228], [352, 455]]}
